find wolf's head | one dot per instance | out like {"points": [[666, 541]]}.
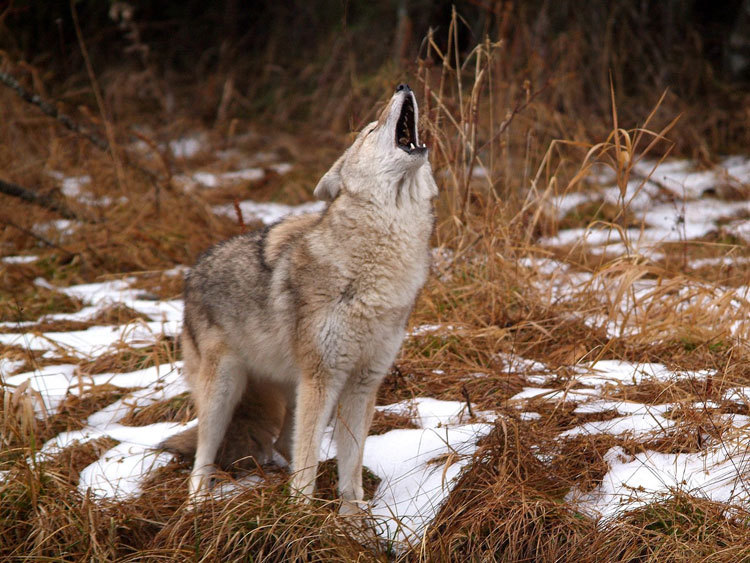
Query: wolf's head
{"points": [[385, 154]]}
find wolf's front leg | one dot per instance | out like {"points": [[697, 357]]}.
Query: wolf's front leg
{"points": [[223, 382], [353, 420], [316, 397]]}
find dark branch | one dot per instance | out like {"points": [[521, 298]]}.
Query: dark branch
{"points": [[39, 199], [37, 236], [51, 110]]}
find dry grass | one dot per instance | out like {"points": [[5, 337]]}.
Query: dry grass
{"points": [[478, 113], [508, 506], [176, 409]]}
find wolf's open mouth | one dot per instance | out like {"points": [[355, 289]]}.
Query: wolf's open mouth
{"points": [[406, 127]]}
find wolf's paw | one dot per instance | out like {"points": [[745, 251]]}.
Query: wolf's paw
{"points": [[201, 481], [197, 498], [354, 508], [355, 517]]}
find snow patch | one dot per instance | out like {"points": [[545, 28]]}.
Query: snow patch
{"points": [[269, 212], [19, 259], [187, 147], [718, 474]]}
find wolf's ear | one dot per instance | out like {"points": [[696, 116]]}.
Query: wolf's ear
{"points": [[330, 184]]}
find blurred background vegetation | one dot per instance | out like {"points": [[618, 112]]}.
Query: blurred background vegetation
{"points": [[327, 62]]}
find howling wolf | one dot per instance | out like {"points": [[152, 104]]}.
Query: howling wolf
{"points": [[296, 325]]}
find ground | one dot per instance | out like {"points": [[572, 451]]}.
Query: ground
{"points": [[574, 384]]}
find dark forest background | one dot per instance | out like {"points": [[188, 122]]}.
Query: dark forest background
{"points": [[328, 61]]}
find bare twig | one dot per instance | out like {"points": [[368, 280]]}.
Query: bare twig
{"points": [[240, 219], [39, 199], [52, 111], [70, 124], [465, 393], [37, 236]]}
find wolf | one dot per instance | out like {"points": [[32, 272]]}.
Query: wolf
{"points": [[297, 324]]}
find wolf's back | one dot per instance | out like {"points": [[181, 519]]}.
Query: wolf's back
{"points": [[233, 280], [229, 273]]}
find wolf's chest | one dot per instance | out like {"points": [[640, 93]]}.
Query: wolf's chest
{"points": [[388, 284]]}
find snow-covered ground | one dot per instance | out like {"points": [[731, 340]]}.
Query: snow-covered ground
{"points": [[719, 471], [678, 203], [412, 486]]}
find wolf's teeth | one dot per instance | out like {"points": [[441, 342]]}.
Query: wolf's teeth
{"points": [[411, 145]]}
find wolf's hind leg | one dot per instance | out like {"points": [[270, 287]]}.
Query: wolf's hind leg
{"points": [[222, 383], [353, 419], [285, 441]]}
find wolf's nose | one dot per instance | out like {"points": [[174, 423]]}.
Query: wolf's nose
{"points": [[402, 87]]}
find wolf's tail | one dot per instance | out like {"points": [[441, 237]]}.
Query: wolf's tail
{"points": [[249, 440]]}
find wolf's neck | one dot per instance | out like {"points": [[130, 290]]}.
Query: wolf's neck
{"points": [[374, 245], [408, 194], [394, 212]]}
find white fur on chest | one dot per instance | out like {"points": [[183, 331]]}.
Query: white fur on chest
{"points": [[385, 257]]}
